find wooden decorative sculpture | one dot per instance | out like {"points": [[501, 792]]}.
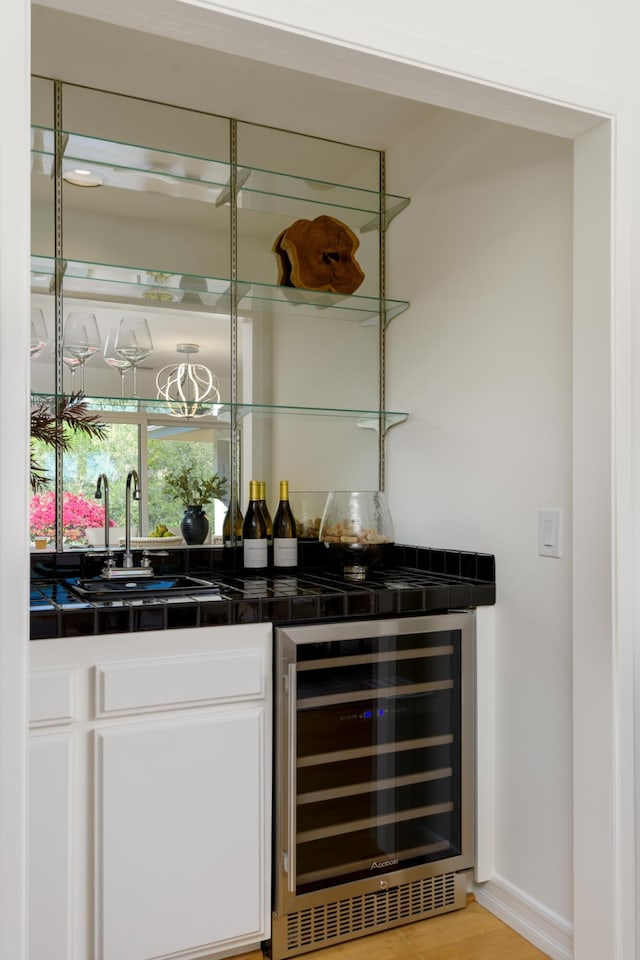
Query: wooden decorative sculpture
{"points": [[318, 255]]}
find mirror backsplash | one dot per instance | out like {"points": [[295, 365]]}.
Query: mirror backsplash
{"points": [[180, 230]]}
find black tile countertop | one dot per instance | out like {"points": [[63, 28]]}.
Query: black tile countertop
{"points": [[412, 580]]}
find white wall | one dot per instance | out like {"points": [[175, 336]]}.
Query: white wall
{"points": [[483, 361], [571, 52], [14, 569]]}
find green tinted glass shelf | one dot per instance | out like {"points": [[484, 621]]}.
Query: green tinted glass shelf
{"points": [[221, 414], [110, 283], [127, 166]]}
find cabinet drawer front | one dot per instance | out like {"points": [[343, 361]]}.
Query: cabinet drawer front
{"points": [[51, 697], [171, 683]]}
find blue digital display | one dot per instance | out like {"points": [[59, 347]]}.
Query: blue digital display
{"points": [[365, 715]]}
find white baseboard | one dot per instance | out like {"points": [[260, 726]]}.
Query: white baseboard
{"points": [[540, 926]]}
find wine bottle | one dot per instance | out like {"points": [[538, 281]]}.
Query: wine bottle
{"points": [[232, 526], [285, 541], [254, 531], [265, 510]]}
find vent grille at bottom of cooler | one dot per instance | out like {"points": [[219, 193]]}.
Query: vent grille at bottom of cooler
{"points": [[344, 919]]}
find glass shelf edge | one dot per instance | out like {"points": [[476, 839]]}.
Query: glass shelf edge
{"points": [[357, 308], [394, 203], [364, 418]]}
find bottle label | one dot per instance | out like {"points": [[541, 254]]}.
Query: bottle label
{"points": [[285, 552], [255, 553]]}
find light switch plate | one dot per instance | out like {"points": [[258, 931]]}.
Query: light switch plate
{"points": [[550, 532]]}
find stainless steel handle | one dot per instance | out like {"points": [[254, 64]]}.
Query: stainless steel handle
{"points": [[292, 693]]}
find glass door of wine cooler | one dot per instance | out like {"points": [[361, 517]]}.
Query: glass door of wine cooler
{"points": [[374, 753]]}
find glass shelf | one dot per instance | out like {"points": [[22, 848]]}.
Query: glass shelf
{"points": [[128, 166], [371, 419], [221, 413], [109, 283]]}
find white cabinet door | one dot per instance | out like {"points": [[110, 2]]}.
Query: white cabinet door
{"points": [[180, 834], [150, 794], [50, 847]]}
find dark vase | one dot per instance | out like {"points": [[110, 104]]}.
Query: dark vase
{"points": [[194, 525]]}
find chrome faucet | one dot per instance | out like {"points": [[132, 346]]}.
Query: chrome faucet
{"points": [[103, 482], [109, 571], [127, 560]]}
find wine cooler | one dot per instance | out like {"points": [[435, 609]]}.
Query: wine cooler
{"points": [[374, 776]]}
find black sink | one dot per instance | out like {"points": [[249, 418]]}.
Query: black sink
{"points": [[119, 588]]}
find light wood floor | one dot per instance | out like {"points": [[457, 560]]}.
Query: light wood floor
{"points": [[469, 934]]}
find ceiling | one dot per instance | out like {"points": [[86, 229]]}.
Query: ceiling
{"points": [[91, 52]]}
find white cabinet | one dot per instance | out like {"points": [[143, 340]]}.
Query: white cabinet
{"points": [[50, 847], [150, 794], [179, 833]]}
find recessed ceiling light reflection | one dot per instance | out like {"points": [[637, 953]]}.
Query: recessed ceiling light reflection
{"points": [[83, 178]]}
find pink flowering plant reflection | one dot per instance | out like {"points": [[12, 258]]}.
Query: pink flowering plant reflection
{"points": [[77, 513]]}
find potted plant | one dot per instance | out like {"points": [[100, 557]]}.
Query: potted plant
{"points": [[49, 423], [53, 422], [79, 516], [193, 493]]}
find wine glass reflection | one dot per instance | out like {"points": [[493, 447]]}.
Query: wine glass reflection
{"points": [[81, 339], [113, 359], [39, 332], [72, 363], [134, 344]]}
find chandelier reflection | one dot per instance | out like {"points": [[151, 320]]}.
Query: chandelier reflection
{"points": [[190, 389]]}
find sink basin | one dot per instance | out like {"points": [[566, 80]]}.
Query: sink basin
{"points": [[95, 588]]}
